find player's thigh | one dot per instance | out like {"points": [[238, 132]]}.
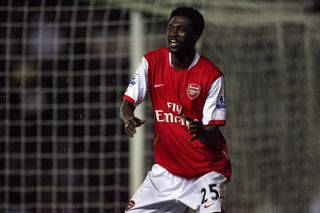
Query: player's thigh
{"points": [[157, 193]]}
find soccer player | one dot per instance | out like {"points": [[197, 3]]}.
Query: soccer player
{"points": [[191, 167]]}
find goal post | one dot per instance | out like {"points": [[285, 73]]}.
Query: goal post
{"points": [[137, 143]]}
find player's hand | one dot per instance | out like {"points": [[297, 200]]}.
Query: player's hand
{"points": [[130, 125], [128, 119], [195, 128]]}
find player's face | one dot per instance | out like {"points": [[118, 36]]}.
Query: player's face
{"points": [[180, 35]]}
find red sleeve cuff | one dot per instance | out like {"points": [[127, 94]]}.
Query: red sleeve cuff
{"points": [[217, 122], [129, 99]]}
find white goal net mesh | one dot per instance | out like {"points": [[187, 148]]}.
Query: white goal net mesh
{"points": [[64, 66]]}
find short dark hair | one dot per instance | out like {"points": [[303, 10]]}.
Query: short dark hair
{"points": [[194, 15]]}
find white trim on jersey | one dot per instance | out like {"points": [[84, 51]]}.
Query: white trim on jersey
{"points": [[214, 107], [137, 89]]}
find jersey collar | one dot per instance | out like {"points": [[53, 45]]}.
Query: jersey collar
{"points": [[194, 62]]}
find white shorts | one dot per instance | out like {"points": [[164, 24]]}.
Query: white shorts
{"points": [[163, 192]]}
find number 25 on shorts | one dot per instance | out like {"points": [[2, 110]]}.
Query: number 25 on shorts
{"points": [[212, 193]]}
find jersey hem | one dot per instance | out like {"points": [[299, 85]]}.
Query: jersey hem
{"points": [[225, 172]]}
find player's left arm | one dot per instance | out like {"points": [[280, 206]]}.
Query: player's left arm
{"points": [[214, 115]]}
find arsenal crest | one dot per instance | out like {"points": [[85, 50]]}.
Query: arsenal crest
{"points": [[193, 91]]}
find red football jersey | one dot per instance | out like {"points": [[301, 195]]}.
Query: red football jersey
{"points": [[198, 93]]}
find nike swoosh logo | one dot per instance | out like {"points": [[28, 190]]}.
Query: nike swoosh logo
{"points": [[158, 85], [207, 206]]}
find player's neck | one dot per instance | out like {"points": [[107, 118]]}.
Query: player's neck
{"points": [[182, 61]]}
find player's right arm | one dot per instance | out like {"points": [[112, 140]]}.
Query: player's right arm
{"points": [[134, 95], [129, 120]]}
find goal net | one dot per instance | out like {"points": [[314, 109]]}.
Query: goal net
{"points": [[64, 66]]}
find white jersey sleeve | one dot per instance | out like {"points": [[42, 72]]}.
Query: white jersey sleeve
{"points": [[137, 89], [214, 110]]}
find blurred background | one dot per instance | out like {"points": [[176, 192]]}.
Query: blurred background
{"points": [[64, 66]]}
